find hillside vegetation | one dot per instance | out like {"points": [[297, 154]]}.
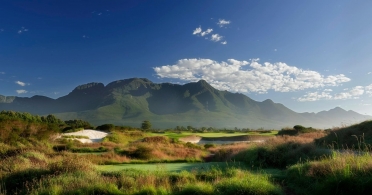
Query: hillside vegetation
{"points": [[33, 161], [129, 101]]}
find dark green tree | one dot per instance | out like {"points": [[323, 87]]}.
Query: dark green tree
{"points": [[146, 125]]}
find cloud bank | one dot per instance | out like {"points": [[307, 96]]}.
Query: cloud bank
{"points": [[353, 93], [244, 76]]}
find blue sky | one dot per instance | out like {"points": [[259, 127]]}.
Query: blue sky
{"points": [[308, 55]]}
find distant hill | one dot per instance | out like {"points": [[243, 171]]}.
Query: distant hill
{"points": [[166, 105]]}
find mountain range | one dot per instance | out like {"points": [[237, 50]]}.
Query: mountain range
{"points": [[166, 105]]}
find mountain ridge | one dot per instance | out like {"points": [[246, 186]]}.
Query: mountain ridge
{"points": [[166, 105]]}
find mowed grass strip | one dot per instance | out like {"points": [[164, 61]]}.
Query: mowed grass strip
{"points": [[171, 167]]}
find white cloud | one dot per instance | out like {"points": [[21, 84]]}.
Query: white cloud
{"points": [[314, 96], [209, 30], [21, 83], [369, 73], [222, 22], [202, 33], [2, 72], [216, 37], [244, 76], [369, 90], [353, 93], [224, 42], [197, 31], [20, 91]]}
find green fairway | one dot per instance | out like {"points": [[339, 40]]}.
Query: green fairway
{"points": [[222, 134], [172, 167]]}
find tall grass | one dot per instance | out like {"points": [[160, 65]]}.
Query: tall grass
{"points": [[340, 173], [155, 182]]}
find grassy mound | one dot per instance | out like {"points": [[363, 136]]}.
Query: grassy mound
{"points": [[341, 173], [356, 136]]}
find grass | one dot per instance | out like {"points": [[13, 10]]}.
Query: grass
{"points": [[218, 134], [172, 167], [75, 136], [341, 173], [283, 164]]}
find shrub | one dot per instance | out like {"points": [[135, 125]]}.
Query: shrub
{"points": [[156, 139], [206, 146], [142, 152], [106, 127]]}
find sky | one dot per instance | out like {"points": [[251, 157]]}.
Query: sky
{"points": [[308, 55]]}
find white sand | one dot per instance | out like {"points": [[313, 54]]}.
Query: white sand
{"points": [[94, 135]]}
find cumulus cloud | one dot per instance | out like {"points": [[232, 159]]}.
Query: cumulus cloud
{"points": [[21, 91], [209, 30], [353, 93], [216, 37], [315, 96], [244, 76], [369, 90], [197, 31], [21, 83], [223, 22]]}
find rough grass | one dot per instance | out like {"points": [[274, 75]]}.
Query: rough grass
{"points": [[278, 152], [208, 134], [356, 136], [340, 173]]}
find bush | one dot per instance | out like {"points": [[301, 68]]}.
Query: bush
{"points": [[156, 139], [106, 127], [206, 146], [142, 152]]}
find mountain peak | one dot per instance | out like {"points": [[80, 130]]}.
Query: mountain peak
{"points": [[268, 101], [89, 86]]}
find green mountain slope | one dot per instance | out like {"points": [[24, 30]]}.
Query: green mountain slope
{"points": [[130, 101]]}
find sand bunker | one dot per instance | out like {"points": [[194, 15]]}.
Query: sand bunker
{"points": [[223, 140], [94, 135]]}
